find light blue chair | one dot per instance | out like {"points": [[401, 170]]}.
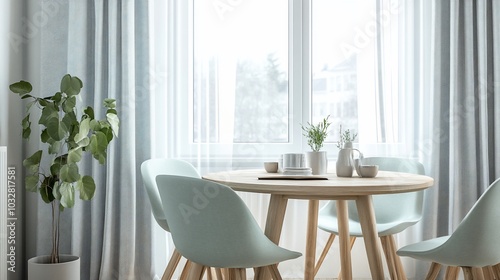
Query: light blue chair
{"points": [[394, 213], [473, 245], [212, 227], [149, 170]]}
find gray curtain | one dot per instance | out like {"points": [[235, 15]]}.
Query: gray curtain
{"points": [[105, 44], [464, 104]]}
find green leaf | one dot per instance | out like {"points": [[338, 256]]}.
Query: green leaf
{"points": [[110, 103], [87, 187], [69, 104], [31, 183], [43, 102], [55, 191], [33, 162], [56, 129], [26, 133], [46, 188], [95, 125], [71, 85], [98, 145], [25, 123], [69, 173], [70, 119], [48, 112], [114, 122], [89, 112], [84, 142], [44, 137], [67, 192], [75, 155], [54, 147], [84, 130], [21, 87], [57, 97], [55, 168]]}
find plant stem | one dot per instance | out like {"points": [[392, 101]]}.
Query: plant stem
{"points": [[54, 257]]}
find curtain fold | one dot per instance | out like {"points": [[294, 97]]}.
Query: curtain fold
{"points": [[464, 106], [107, 45]]}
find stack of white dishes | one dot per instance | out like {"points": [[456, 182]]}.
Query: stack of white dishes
{"points": [[301, 171]]}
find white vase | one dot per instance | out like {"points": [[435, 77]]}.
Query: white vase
{"points": [[318, 162], [345, 163], [40, 268]]}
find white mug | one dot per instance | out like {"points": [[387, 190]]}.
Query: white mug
{"points": [[294, 160]]}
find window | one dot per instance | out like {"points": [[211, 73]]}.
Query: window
{"points": [[259, 69]]}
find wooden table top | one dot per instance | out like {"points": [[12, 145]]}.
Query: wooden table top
{"points": [[334, 187]]}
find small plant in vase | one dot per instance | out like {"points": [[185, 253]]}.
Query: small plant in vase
{"points": [[345, 163], [346, 138], [316, 136]]}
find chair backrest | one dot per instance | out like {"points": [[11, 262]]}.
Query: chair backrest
{"points": [[209, 222], [154, 167], [476, 241], [389, 208]]}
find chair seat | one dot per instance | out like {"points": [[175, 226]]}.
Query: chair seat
{"points": [[421, 250], [475, 243], [246, 256], [329, 223]]}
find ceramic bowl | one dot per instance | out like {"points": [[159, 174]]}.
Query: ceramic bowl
{"points": [[271, 166], [368, 171]]}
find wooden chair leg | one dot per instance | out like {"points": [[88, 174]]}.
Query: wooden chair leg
{"points": [[488, 273], [195, 271], [353, 240], [273, 269], [433, 271], [243, 274], [172, 265], [452, 273], [400, 271], [391, 265], [496, 271], [467, 273], [477, 273], [185, 271], [328, 245], [218, 273], [209, 273]]}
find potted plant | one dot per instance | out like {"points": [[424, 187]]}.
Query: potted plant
{"points": [[346, 138], [316, 136], [54, 172], [345, 163]]}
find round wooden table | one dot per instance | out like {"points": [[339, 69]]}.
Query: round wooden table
{"points": [[328, 187]]}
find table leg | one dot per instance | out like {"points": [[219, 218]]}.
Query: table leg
{"points": [[274, 224], [344, 240], [312, 231], [370, 236]]}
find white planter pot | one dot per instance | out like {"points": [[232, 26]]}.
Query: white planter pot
{"points": [[317, 161], [40, 268]]}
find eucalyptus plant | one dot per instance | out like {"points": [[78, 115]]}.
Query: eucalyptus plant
{"points": [[316, 134], [67, 135], [345, 137]]}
